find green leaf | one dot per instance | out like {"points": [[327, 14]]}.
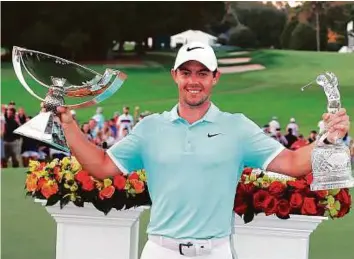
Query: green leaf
{"points": [[337, 205], [333, 212], [326, 214], [249, 215], [52, 200], [330, 199], [333, 192]]}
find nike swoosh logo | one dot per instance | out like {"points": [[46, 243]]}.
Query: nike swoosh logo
{"points": [[213, 135], [190, 49]]}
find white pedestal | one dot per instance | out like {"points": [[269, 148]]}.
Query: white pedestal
{"points": [[88, 233], [268, 237]]}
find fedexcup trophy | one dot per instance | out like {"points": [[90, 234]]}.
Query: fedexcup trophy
{"points": [[62, 83], [331, 166]]}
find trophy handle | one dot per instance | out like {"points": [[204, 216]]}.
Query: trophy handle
{"points": [[18, 71], [105, 91]]}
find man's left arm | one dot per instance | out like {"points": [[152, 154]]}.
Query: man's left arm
{"points": [[298, 163]]}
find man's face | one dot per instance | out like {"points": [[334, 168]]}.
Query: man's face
{"points": [[92, 124], [125, 110], [21, 111], [10, 113], [195, 83]]}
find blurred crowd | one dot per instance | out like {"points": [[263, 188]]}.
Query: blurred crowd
{"points": [[293, 139], [105, 131], [101, 130]]}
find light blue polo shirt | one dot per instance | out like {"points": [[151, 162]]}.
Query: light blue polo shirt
{"points": [[193, 169]]}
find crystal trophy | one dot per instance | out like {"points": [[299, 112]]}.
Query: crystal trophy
{"points": [[59, 82], [331, 166]]}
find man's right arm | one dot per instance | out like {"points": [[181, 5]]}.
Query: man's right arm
{"points": [[92, 158]]}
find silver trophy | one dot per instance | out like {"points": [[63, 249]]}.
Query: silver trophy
{"points": [[331, 166], [59, 82]]}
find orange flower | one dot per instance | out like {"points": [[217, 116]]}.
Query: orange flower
{"points": [[133, 176], [119, 182], [137, 185], [41, 182], [49, 188], [31, 182], [82, 176], [107, 192]]}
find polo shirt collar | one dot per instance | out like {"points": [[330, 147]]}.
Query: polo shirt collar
{"points": [[210, 116]]}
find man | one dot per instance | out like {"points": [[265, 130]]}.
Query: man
{"points": [[274, 125], [125, 121], [312, 137], [193, 156], [292, 125], [12, 142], [290, 138]]}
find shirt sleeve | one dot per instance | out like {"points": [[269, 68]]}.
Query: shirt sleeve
{"points": [[259, 149], [127, 153]]}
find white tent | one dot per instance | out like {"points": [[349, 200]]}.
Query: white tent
{"points": [[192, 35]]}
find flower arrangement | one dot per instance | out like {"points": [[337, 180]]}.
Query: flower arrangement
{"points": [[65, 180], [258, 192]]}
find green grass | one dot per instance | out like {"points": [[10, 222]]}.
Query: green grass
{"points": [[28, 231]]}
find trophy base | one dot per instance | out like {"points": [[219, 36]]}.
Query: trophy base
{"points": [[332, 185], [45, 128]]}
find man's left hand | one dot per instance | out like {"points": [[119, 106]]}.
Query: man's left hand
{"points": [[337, 124]]}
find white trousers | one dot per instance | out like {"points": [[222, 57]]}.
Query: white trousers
{"points": [[153, 250]]}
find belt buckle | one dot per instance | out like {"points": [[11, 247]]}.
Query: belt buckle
{"points": [[188, 245]]}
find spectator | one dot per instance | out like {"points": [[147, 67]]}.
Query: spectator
{"points": [[93, 128], [21, 115], [274, 125], [125, 132], [300, 142], [113, 128], [12, 142], [99, 118], [266, 130], [85, 128], [292, 125], [107, 135], [279, 137], [312, 137], [125, 121], [290, 138]]}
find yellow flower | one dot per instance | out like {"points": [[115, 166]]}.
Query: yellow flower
{"points": [[53, 163], [75, 165], [142, 175], [33, 165], [74, 187], [65, 162], [68, 176], [107, 182]]}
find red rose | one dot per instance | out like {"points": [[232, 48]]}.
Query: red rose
{"points": [[270, 205], [107, 192], [247, 171], [119, 182], [298, 184], [344, 209], [88, 184], [259, 198], [309, 178], [309, 206], [283, 208], [244, 189], [296, 200], [276, 189], [322, 194], [133, 176], [40, 183], [344, 197], [240, 206]]}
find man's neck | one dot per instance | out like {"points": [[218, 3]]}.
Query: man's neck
{"points": [[193, 114]]}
